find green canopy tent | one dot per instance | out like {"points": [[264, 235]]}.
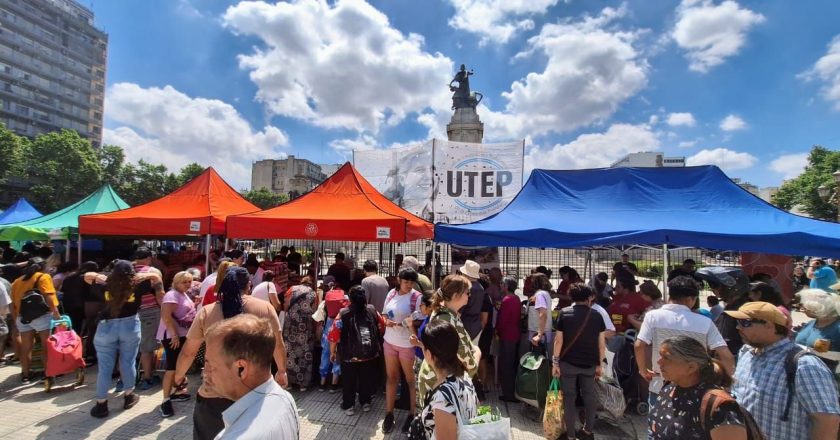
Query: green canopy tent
{"points": [[64, 224]]}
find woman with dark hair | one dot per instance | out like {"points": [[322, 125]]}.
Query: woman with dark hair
{"points": [[355, 338], [401, 304], [299, 332], [453, 397], [568, 276], [627, 303], [539, 312], [507, 329], [761, 291], [690, 373], [118, 332], [600, 283], [32, 315], [452, 296]]}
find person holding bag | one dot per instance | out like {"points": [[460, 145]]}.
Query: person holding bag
{"points": [[34, 304], [579, 340], [452, 402], [177, 315]]}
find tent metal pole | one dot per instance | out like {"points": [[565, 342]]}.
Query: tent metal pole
{"points": [[207, 255], [665, 265], [79, 251], [434, 267], [67, 249]]}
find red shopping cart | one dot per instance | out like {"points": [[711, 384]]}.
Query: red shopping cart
{"points": [[64, 353]]}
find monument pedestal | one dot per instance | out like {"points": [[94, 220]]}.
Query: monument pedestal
{"points": [[465, 126]]}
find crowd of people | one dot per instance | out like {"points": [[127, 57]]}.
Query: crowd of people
{"points": [[259, 328]]}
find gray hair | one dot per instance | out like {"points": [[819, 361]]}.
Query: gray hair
{"points": [[820, 303], [511, 283], [195, 272], [411, 262], [690, 350]]}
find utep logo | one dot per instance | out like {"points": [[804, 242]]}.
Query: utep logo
{"points": [[311, 229], [477, 183]]}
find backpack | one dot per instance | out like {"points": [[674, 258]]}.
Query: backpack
{"points": [[362, 339], [415, 297], [791, 365], [32, 304], [714, 398]]}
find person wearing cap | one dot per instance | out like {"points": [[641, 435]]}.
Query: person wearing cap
{"points": [[822, 275], [761, 383], [151, 297]]}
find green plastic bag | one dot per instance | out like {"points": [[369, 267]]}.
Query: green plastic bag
{"points": [[553, 422]]}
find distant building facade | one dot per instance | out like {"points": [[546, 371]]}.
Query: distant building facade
{"points": [[52, 68], [648, 159], [329, 168], [291, 176]]}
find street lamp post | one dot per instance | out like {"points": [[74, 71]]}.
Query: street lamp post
{"points": [[824, 191]]}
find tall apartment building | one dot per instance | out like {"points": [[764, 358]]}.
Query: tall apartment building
{"points": [[52, 68], [648, 159], [291, 176]]}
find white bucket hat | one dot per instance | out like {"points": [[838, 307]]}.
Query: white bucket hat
{"points": [[471, 269]]}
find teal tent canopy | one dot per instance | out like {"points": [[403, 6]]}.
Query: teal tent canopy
{"points": [[63, 224], [20, 211]]}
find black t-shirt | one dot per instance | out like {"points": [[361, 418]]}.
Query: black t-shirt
{"points": [[583, 352], [129, 308], [342, 275], [679, 272], [676, 415], [75, 292], [626, 269]]}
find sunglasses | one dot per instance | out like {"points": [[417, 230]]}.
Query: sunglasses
{"points": [[747, 323]]}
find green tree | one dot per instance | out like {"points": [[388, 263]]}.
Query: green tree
{"points": [[264, 198], [803, 190], [112, 161], [190, 172], [144, 182], [62, 167], [12, 148]]}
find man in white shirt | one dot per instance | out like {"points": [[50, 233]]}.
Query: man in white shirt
{"points": [[238, 367], [673, 319]]}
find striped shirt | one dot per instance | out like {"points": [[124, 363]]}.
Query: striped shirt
{"points": [[761, 388]]}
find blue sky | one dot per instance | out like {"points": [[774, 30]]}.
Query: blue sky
{"points": [[749, 86]]}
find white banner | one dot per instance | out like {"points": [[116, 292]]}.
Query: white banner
{"points": [[472, 181], [403, 175]]}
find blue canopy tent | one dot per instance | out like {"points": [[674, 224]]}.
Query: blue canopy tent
{"points": [[692, 206], [20, 211]]}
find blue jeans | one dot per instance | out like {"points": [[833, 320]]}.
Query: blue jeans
{"points": [[324, 369], [116, 336]]}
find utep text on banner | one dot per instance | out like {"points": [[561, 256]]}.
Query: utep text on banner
{"points": [[469, 182]]}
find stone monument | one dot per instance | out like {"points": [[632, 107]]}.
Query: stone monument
{"points": [[464, 125]]}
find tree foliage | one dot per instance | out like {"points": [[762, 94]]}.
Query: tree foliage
{"points": [[264, 198], [189, 172], [63, 167], [803, 191], [12, 148]]}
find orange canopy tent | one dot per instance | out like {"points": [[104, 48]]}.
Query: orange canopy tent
{"points": [[344, 207], [200, 207]]}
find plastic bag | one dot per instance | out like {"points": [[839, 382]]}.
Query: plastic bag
{"points": [[611, 397], [488, 425], [553, 422]]}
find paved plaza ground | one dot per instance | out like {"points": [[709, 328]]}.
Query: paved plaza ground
{"points": [[30, 413]]}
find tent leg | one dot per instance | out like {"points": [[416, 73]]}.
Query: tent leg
{"points": [[79, 250], [434, 267], [665, 265], [207, 256], [67, 249]]}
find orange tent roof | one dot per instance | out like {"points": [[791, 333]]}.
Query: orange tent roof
{"points": [[344, 207], [199, 207]]}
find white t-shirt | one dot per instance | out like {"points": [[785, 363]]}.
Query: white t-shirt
{"points": [[674, 320], [262, 290], [398, 307], [607, 320], [542, 300], [257, 277], [5, 301]]}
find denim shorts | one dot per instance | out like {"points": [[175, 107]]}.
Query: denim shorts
{"points": [[39, 324]]}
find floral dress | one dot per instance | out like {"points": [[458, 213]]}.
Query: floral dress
{"points": [[456, 395], [299, 333], [466, 354], [676, 415]]}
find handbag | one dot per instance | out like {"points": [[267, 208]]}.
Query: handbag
{"points": [[479, 428], [611, 397], [554, 424]]}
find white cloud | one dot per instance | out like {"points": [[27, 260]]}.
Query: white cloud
{"points": [[165, 126], [186, 8], [724, 158], [711, 33], [591, 68], [827, 70], [687, 144], [790, 165], [594, 150], [497, 20], [677, 119], [338, 65], [732, 123]]}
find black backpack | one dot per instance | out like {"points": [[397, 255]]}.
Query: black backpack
{"points": [[33, 305], [362, 339], [791, 365]]}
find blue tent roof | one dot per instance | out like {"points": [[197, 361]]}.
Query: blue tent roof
{"points": [[692, 206], [18, 212]]}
